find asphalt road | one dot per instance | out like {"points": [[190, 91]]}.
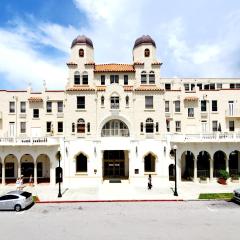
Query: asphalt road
{"points": [[149, 220]]}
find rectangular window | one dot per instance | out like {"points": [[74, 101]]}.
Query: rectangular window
{"points": [[22, 127], [49, 127], [237, 85], [125, 79], [167, 86], [141, 127], [214, 106], [60, 106], [77, 78], [192, 87], [177, 106], [212, 86], [231, 126], [219, 85], [88, 127], [35, 113], [178, 126], [199, 85], [12, 107], [85, 79], [191, 112], [167, 107], [102, 79], [114, 79], [203, 105], [232, 85], [114, 102], [206, 87], [81, 102], [49, 107], [149, 102], [60, 127], [168, 125], [22, 107], [214, 126], [143, 78], [186, 87]]}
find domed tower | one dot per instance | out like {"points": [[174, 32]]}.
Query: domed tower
{"points": [[81, 62], [144, 49], [82, 50], [147, 67]]}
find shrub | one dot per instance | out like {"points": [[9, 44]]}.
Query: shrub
{"points": [[224, 174]]}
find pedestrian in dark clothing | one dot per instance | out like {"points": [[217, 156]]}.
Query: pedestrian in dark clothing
{"points": [[149, 182]]}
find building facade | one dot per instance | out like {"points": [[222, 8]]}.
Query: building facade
{"points": [[120, 121]]}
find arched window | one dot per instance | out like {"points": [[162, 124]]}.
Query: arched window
{"points": [[143, 77], [85, 78], [80, 126], [73, 127], [81, 163], [81, 52], [116, 128], [151, 77], [77, 77], [102, 100], [146, 52], [127, 101], [149, 163], [149, 125]]}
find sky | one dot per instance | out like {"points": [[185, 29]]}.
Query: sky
{"points": [[199, 38]]}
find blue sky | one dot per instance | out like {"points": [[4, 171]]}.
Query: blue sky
{"points": [[198, 38]]}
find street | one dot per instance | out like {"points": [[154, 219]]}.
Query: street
{"points": [[133, 220]]}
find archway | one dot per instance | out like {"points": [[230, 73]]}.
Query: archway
{"points": [[219, 162], [115, 128], [43, 168], [27, 167], [11, 167], [203, 164], [187, 166], [81, 163], [149, 163], [234, 159]]}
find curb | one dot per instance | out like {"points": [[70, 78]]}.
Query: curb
{"points": [[111, 201]]}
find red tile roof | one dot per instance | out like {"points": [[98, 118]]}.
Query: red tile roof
{"points": [[114, 68], [80, 88], [72, 64], [35, 99], [128, 88], [148, 88], [101, 88]]}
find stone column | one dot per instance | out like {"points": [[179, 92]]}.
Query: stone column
{"points": [[35, 173], [3, 174], [211, 170], [227, 164], [52, 174], [195, 170], [19, 169]]}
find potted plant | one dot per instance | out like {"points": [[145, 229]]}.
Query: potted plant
{"points": [[235, 178], [223, 176], [203, 179]]}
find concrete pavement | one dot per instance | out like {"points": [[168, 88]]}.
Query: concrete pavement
{"points": [[123, 191]]}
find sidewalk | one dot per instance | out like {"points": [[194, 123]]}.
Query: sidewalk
{"points": [[123, 191]]}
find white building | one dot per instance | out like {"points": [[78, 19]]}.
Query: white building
{"points": [[120, 121]]}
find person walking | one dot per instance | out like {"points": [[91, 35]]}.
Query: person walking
{"points": [[149, 182], [18, 183], [31, 180]]}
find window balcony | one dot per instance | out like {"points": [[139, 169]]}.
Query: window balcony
{"points": [[232, 113]]}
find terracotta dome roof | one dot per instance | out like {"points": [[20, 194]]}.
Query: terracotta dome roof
{"points": [[144, 39], [82, 39]]}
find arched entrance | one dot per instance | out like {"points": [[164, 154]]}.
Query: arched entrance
{"points": [[27, 167], [187, 166], [203, 164], [234, 159], [43, 168], [219, 162], [149, 163], [11, 166]]}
